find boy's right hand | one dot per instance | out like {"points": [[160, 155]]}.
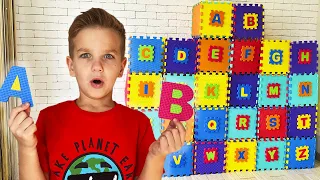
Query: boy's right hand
{"points": [[23, 127]]}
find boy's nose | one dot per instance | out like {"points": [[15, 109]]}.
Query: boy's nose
{"points": [[97, 66]]}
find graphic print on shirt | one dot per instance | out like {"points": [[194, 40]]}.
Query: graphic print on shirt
{"points": [[93, 159], [93, 167]]}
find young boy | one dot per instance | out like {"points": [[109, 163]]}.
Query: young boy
{"points": [[92, 137]]}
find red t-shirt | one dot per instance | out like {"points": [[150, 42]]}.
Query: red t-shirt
{"points": [[76, 144]]}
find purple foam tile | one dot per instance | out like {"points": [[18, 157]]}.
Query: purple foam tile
{"points": [[251, 83], [202, 166], [293, 130], [239, 31], [296, 65], [187, 67]]}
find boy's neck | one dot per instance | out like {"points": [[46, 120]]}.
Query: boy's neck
{"points": [[95, 105]]}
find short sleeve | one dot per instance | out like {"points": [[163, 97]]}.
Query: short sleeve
{"points": [[146, 138], [41, 146]]}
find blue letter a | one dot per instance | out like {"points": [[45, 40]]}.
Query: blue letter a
{"points": [[216, 18], [16, 85]]}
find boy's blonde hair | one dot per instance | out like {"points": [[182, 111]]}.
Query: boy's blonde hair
{"points": [[96, 17]]}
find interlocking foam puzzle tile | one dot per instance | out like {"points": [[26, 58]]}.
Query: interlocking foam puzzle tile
{"points": [[155, 121], [271, 155], [146, 54], [302, 121], [272, 122], [275, 57], [214, 55], [188, 125], [300, 153], [180, 56], [16, 85], [144, 90], [210, 124], [174, 101], [303, 89], [242, 123], [246, 56], [248, 21], [273, 90], [304, 57], [209, 157], [211, 89], [212, 19], [181, 79], [179, 163], [241, 156], [244, 90]]}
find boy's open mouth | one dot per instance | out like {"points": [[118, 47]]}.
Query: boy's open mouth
{"points": [[96, 83]]}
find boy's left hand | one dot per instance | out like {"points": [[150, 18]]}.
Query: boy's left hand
{"points": [[171, 140]]}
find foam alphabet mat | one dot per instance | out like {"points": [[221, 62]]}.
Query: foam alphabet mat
{"points": [[247, 103]]}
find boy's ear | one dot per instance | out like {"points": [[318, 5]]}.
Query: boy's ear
{"points": [[70, 66], [123, 66]]}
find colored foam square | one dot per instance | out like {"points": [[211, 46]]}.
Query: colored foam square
{"points": [[180, 56], [304, 57], [241, 156], [174, 101], [212, 19], [246, 56], [211, 90], [146, 54], [301, 153], [179, 163], [303, 89], [144, 90], [272, 90], [248, 21], [188, 125], [213, 55], [16, 85], [244, 89], [210, 124], [209, 157], [302, 121], [242, 123], [155, 121], [188, 80], [271, 155], [275, 57], [272, 122]]}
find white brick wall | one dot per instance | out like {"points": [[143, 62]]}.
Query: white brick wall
{"points": [[42, 27]]}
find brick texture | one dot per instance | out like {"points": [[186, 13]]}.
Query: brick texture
{"points": [[42, 27]]}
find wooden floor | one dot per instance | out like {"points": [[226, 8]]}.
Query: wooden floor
{"points": [[313, 174]]}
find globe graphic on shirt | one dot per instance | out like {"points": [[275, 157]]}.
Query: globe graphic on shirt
{"points": [[93, 167]]}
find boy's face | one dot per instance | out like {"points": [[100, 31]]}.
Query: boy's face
{"points": [[96, 61]]}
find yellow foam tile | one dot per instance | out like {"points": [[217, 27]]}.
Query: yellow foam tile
{"points": [[136, 99], [231, 155], [217, 98], [275, 66]]}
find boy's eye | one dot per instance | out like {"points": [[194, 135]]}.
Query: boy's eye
{"points": [[108, 56], [85, 55]]}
